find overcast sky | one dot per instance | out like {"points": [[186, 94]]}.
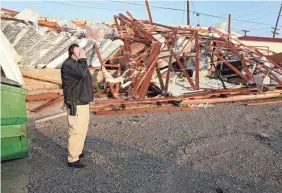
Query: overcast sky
{"points": [[257, 17]]}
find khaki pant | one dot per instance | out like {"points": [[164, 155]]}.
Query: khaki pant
{"points": [[78, 127]]}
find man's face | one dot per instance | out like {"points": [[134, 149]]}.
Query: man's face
{"points": [[76, 51]]}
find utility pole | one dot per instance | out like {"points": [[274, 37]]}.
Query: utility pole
{"points": [[245, 32], [229, 26], [275, 29], [188, 12]]}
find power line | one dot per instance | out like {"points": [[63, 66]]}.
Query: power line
{"points": [[246, 7], [255, 11], [252, 19], [201, 14]]}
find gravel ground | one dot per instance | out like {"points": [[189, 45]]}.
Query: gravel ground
{"points": [[229, 148]]}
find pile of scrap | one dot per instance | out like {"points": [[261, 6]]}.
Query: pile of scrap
{"points": [[186, 102], [144, 66], [230, 60], [231, 63]]}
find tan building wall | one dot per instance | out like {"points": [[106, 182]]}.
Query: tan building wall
{"points": [[274, 46]]}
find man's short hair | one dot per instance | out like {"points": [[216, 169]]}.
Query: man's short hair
{"points": [[71, 48]]}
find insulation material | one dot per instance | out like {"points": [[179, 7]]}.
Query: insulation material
{"points": [[160, 38], [9, 65], [109, 78], [57, 63], [44, 41], [68, 24], [221, 26], [57, 50], [93, 53], [88, 55], [28, 15], [179, 44], [99, 32], [112, 49], [10, 48], [88, 49], [5, 23], [20, 46], [48, 47], [102, 47], [11, 30], [37, 38], [23, 29], [34, 54]]}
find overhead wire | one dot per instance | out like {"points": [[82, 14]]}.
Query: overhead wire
{"points": [[255, 11], [202, 14], [246, 7]]}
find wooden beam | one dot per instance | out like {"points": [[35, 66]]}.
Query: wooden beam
{"points": [[48, 104], [264, 103], [42, 96], [43, 79], [160, 79], [232, 99], [148, 10]]}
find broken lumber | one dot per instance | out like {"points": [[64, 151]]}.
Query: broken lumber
{"points": [[264, 103], [42, 96], [231, 99], [48, 104], [31, 76]]}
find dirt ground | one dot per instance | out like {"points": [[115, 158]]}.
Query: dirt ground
{"points": [[229, 148]]}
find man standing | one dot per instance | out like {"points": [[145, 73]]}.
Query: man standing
{"points": [[78, 94]]}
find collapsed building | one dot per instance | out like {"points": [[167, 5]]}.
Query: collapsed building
{"points": [[145, 64]]}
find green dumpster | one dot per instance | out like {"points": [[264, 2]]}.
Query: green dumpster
{"points": [[14, 141]]}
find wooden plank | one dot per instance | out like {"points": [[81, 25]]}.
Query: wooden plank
{"points": [[43, 79], [42, 96], [160, 78], [231, 99], [264, 103], [145, 110], [48, 104]]}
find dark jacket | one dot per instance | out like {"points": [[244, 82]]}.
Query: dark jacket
{"points": [[77, 81]]}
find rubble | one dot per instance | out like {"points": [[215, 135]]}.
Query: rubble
{"points": [[153, 60]]}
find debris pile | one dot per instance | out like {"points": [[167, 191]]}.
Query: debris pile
{"points": [[154, 65]]}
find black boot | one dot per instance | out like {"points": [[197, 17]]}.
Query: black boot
{"points": [[82, 155], [76, 164]]}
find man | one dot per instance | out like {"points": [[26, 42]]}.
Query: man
{"points": [[78, 94]]}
